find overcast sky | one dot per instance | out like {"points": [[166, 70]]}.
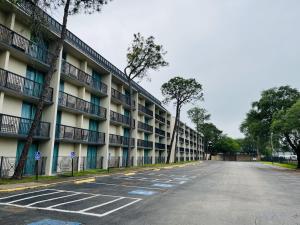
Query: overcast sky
{"points": [[234, 48]]}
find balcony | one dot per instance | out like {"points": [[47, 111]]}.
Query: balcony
{"points": [[181, 150], [24, 47], [117, 140], [78, 105], [181, 140], [120, 98], [18, 127], [19, 86], [144, 144], [145, 110], [168, 122], [160, 118], [168, 135], [79, 77], [119, 119], [160, 146], [160, 132], [77, 135], [145, 127]]}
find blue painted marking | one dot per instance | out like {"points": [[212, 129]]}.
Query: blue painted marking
{"points": [[142, 192], [53, 222], [163, 185]]}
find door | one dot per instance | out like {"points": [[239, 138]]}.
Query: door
{"points": [[27, 114], [96, 79], [55, 158], [29, 168], [91, 157], [93, 126], [95, 100]]}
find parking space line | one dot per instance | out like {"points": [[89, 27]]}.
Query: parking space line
{"points": [[35, 196], [64, 203], [105, 203], [50, 199], [12, 196], [123, 185], [114, 210]]}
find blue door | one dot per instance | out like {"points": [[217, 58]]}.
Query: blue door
{"points": [[95, 100], [27, 114], [91, 157], [55, 157], [29, 168], [96, 79], [93, 126]]}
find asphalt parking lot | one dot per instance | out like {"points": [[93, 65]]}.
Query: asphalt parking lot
{"points": [[203, 193]]}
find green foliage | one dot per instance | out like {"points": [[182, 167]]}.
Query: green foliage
{"points": [[144, 54], [258, 122], [198, 116], [227, 145], [181, 91], [211, 134]]}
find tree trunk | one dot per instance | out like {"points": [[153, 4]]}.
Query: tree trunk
{"points": [[40, 106], [130, 121], [295, 147], [298, 156], [176, 139], [173, 136]]}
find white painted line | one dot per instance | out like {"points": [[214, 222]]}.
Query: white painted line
{"points": [[123, 185], [64, 203], [11, 196], [35, 196], [109, 212], [97, 206], [50, 199]]}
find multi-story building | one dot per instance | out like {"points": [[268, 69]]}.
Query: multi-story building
{"points": [[87, 107]]}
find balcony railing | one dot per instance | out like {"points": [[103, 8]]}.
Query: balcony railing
{"points": [[160, 132], [122, 98], [119, 118], [78, 104], [160, 118], [23, 86], [78, 135], [145, 110], [30, 48], [168, 122], [181, 140], [83, 78], [160, 146], [19, 127], [169, 135], [144, 144], [120, 140], [145, 127], [181, 149]]}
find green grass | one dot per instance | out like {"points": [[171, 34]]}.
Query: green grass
{"points": [[284, 165], [62, 177]]}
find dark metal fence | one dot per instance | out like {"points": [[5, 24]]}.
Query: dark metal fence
{"points": [[22, 85], [91, 163], [160, 159], [120, 140], [78, 75], [8, 165], [73, 102], [145, 127], [144, 144], [144, 160], [279, 159], [119, 118], [145, 110], [18, 126]]}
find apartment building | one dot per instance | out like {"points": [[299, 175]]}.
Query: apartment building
{"points": [[87, 109]]}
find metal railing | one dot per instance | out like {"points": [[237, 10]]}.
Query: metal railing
{"points": [[160, 118], [144, 143], [74, 134], [160, 146], [160, 132], [168, 135], [19, 127], [168, 122], [124, 99], [91, 163], [22, 85], [24, 45], [145, 127], [160, 159], [120, 140], [8, 165], [145, 110], [119, 118], [86, 79], [144, 160], [56, 27], [70, 101]]}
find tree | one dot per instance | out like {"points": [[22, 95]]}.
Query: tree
{"points": [[211, 135], [227, 145], [198, 116], [143, 55], [180, 91], [286, 124], [71, 7], [257, 124]]}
